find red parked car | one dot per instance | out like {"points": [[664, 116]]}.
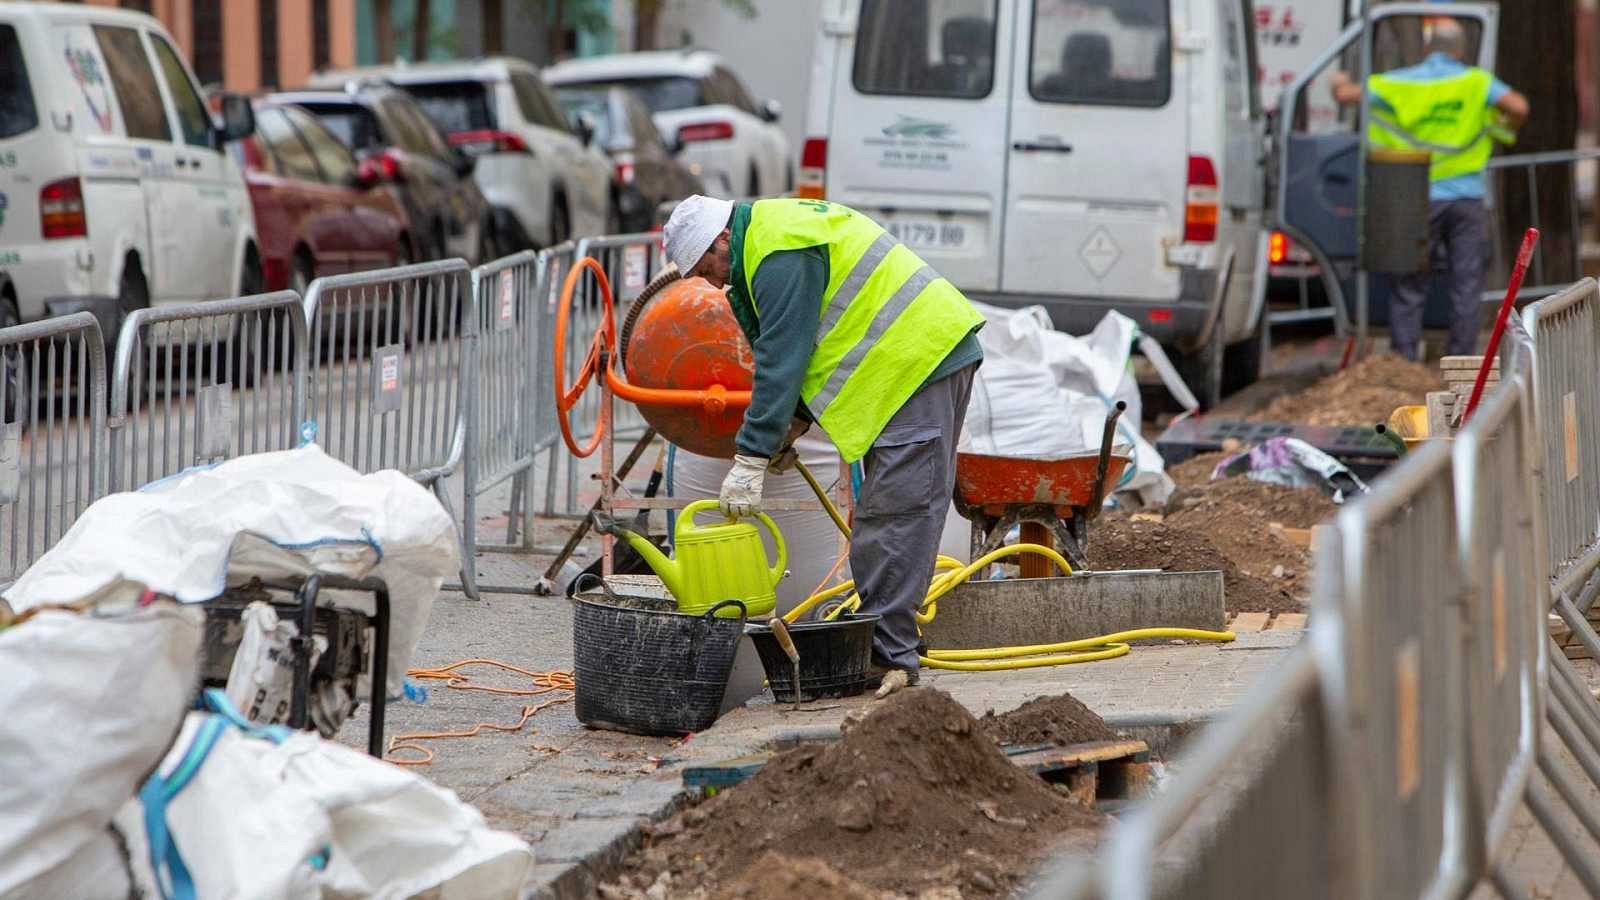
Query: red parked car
{"points": [[317, 211]]}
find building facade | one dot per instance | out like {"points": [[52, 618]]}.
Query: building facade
{"points": [[248, 45]]}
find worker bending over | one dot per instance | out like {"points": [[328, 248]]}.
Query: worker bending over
{"points": [[1449, 109], [852, 330]]}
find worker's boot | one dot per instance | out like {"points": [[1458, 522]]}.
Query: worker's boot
{"points": [[878, 677]]}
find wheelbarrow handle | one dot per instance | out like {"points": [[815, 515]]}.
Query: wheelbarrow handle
{"points": [[1103, 464]]}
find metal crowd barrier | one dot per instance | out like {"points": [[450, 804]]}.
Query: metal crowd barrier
{"points": [[555, 263], [200, 383], [1253, 812], [390, 388], [1564, 347], [52, 433], [1393, 663], [1524, 168]]}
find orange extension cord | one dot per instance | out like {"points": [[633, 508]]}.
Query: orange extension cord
{"points": [[453, 678]]}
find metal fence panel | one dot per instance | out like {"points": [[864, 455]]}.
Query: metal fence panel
{"points": [[200, 383], [1396, 664], [1251, 812], [52, 433], [1565, 330], [1506, 602], [554, 264], [386, 392]]}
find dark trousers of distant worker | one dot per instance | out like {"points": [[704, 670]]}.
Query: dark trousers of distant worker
{"points": [[1458, 245], [909, 474]]}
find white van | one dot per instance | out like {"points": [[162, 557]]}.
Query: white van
{"points": [[1085, 155], [115, 190]]}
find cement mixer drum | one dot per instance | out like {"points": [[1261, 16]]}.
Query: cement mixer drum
{"points": [[686, 338]]}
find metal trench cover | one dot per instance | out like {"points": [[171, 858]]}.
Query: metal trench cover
{"points": [[1026, 611]]}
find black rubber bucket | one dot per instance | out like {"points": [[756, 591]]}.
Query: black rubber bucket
{"points": [[651, 672], [834, 658]]}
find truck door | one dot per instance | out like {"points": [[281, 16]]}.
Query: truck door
{"points": [[1097, 150], [915, 137], [1317, 165]]}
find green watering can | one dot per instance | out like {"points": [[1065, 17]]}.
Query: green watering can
{"points": [[726, 561]]}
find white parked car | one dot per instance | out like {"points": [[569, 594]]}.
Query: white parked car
{"points": [[1086, 155], [543, 176], [115, 190], [731, 141]]}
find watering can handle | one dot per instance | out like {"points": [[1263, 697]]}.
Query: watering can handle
{"points": [[778, 568]]}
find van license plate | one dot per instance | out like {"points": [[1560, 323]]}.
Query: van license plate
{"points": [[928, 234]]}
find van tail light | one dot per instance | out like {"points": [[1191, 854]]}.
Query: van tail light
{"points": [[624, 172], [488, 140], [61, 212], [1277, 248], [705, 131], [813, 181], [1200, 202]]}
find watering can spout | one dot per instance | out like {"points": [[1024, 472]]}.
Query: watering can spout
{"points": [[668, 570]]}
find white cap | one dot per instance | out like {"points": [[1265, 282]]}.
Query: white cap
{"points": [[694, 224]]}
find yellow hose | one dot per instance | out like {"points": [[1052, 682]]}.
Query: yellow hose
{"points": [[948, 573]]}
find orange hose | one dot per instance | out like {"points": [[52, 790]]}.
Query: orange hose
{"points": [[544, 683]]}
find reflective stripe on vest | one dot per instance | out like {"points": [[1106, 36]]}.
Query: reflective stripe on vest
{"points": [[886, 319], [1448, 117]]}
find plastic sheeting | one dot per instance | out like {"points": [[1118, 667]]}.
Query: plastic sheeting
{"points": [[90, 703], [1045, 394], [268, 515]]}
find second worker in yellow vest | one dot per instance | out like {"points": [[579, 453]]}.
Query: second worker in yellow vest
{"points": [[1454, 112], [850, 329]]}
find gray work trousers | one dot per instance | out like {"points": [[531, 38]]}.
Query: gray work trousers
{"points": [[910, 472], [1459, 245]]}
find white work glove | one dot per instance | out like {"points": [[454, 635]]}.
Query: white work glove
{"points": [[741, 490]]}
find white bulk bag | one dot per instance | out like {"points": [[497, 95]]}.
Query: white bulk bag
{"points": [[271, 813], [90, 703]]}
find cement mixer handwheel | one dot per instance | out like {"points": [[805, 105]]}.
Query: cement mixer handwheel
{"points": [[604, 341]]}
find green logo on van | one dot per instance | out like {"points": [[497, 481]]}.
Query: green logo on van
{"points": [[912, 127]]}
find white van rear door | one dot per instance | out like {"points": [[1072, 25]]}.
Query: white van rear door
{"points": [[1098, 150], [916, 136]]}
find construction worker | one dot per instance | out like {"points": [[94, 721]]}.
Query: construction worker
{"points": [[851, 330], [1448, 108]]}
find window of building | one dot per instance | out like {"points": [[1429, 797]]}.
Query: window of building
{"points": [[208, 41]]}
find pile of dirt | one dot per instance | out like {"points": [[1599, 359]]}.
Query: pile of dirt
{"points": [[1292, 507], [914, 796], [1243, 533], [1061, 719], [1196, 470], [1365, 393], [1121, 542], [778, 877]]}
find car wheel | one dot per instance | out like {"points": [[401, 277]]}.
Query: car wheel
{"points": [[1242, 363], [616, 223], [249, 346], [14, 391], [132, 294], [755, 183], [301, 274], [560, 222]]}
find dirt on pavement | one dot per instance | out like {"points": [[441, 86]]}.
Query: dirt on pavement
{"points": [[776, 876], [917, 774], [1363, 394], [1061, 719], [1291, 507], [1117, 541]]}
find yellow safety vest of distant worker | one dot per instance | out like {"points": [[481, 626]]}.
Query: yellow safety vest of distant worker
{"points": [[1448, 117], [888, 318]]}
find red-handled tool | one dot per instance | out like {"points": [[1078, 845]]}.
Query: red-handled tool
{"points": [[1529, 241]]}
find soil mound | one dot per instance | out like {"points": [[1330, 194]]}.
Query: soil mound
{"points": [[778, 877], [913, 796], [1120, 542], [1243, 533], [1291, 507], [1365, 393], [1061, 719], [1196, 470]]}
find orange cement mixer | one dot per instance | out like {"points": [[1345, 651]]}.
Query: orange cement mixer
{"points": [[685, 363]]}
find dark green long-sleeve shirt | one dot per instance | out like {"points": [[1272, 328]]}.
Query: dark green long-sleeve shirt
{"points": [[790, 285]]}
